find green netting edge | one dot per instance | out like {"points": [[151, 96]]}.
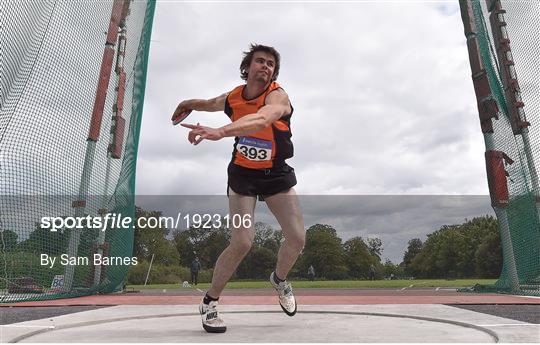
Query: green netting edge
{"points": [[125, 189]]}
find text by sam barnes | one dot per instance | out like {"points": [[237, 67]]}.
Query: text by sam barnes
{"points": [[95, 260]]}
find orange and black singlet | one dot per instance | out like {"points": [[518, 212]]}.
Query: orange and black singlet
{"points": [[267, 148]]}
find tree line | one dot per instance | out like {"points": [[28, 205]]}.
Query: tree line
{"points": [[468, 250], [471, 249]]}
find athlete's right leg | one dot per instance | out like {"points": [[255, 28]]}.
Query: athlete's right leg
{"points": [[228, 261], [241, 241]]}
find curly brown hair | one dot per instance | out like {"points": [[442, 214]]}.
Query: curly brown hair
{"points": [[248, 56]]}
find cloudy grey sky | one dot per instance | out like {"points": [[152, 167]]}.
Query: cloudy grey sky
{"points": [[383, 98]]}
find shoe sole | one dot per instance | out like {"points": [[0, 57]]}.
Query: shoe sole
{"points": [[214, 329], [288, 312]]}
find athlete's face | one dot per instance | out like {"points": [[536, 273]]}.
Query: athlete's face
{"points": [[262, 67]]}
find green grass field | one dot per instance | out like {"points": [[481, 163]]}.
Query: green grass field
{"points": [[337, 284]]}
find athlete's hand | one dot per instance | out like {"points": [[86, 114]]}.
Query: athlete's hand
{"points": [[198, 133], [182, 111]]}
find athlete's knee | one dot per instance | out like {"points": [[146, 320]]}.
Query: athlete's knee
{"points": [[242, 246], [297, 240]]}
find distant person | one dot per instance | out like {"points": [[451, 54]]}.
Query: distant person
{"points": [[311, 273], [371, 272], [195, 268]]}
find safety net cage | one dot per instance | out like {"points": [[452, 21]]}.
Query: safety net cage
{"points": [[72, 82], [504, 54]]}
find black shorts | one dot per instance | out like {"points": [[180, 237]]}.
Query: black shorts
{"points": [[260, 182]]}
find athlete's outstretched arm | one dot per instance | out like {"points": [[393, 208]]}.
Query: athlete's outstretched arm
{"points": [[277, 105], [213, 104]]}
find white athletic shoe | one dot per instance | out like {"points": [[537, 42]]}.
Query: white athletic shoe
{"points": [[211, 321], [286, 297]]}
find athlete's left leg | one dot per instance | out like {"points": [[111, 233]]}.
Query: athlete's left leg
{"points": [[286, 208]]}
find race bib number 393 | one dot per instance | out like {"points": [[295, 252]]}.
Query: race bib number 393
{"points": [[255, 149]]}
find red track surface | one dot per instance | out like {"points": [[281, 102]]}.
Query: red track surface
{"points": [[314, 297]]}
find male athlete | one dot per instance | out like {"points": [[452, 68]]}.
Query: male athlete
{"points": [[260, 111]]}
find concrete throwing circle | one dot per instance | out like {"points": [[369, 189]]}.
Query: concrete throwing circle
{"points": [[268, 326]]}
